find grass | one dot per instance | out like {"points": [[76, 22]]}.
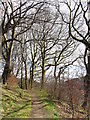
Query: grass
{"points": [[49, 105], [15, 103]]}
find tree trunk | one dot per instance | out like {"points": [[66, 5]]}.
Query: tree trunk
{"points": [[6, 72], [43, 76], [32, 74], [25, 75], [30, 78], [21, 76], [88, 67], [72, 107], [7, 68], [86, 104], [87, 87], [43, 68], [55, 85], [59, 96]]}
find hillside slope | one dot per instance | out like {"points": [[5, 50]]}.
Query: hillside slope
{"points": [[15, 103], [35, 103]]}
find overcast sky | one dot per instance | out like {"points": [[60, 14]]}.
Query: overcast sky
{"points": [[81, 47]]}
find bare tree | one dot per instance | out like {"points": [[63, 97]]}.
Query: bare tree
{"points": [[44, 36], [79, 30], [15, 18], [33, 55]]}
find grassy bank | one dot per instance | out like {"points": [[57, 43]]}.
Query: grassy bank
{"points": [[15, 103]]}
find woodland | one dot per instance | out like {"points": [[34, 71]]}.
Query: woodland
{"points": [[45, 59]]}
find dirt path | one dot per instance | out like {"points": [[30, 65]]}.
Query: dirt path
{"points": [[38, 107]]}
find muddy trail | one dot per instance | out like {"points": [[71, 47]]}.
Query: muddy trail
{"points": [[38, 109]]}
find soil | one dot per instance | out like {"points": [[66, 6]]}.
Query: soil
{"points": [[38, 109]]}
